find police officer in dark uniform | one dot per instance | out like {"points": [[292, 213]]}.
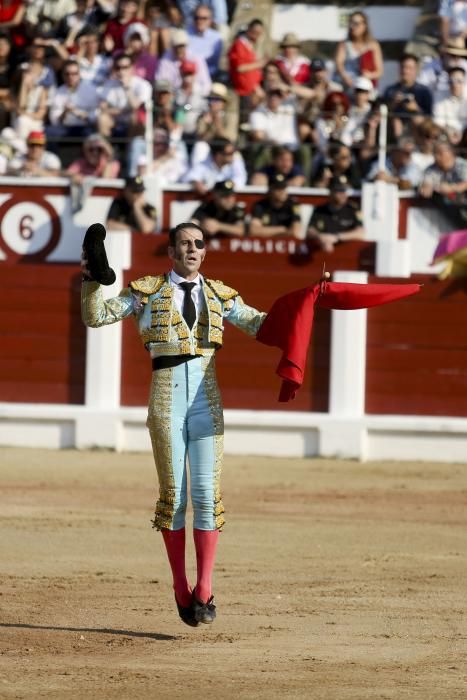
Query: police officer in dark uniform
{"points": [[222, 216], [338, 220], [130, 209], [277, 214]]}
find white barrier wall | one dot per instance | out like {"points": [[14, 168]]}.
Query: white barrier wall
{"points": [[346, 431]]}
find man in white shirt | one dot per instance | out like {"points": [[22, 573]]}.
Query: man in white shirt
{"points": [[223, 163], [276, 122], [180, 317], [73, 110], [122, 97], [94, 66], [450, 112], [37, 161]]}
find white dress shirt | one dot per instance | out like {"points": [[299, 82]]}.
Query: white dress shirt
{"points": [[179, 292]]}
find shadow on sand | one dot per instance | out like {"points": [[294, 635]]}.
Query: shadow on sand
{"points": [[96, 630]]}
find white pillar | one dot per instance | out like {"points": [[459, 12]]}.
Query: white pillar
{"points": [[104, 345], [393, 258], [348, 355]]}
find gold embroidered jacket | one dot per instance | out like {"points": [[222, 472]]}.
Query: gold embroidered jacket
{"points": [[161, 326]]}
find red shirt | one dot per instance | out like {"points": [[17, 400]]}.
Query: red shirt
{"points": [[300, 73], [116, 30], [242, 52], [8, 9]]}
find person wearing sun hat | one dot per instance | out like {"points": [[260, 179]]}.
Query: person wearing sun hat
{"points": [[37, 161], [97, 160], [291, 62], [216, 120]]}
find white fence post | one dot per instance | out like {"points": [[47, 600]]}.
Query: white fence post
{"points": [[348, 355], [104, 345], [345, 435]]}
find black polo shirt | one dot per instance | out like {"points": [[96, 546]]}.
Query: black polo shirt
{"points": [[285, 215], [212, 210], [329, 219], [122, 211]]}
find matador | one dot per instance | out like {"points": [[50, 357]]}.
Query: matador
{"points": [[180, 317]]}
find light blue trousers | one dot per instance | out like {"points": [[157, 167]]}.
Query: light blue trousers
{"points": [[186, 425]]}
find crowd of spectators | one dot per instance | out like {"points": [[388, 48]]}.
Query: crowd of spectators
{"points": [[77, 78]]}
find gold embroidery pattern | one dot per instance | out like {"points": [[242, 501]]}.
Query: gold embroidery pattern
{"points": [[221, 290], [96, 312], [161, 308], [148, 285], [159, 424], [215, 407]]}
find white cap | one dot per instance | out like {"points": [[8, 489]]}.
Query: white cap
{"points": [[136, 28], [363, 83], [179, 37]]}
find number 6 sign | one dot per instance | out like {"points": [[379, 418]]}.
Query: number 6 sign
{"points": [[28, 228]]}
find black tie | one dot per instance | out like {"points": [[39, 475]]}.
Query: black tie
{"points": [[189, 311]]}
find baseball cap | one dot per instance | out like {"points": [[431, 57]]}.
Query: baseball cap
{"points": [[135, 184], [218, 92], [36, 138], [277, 181], [224, 187], [187, 67], [363, 83], [179, 37], [339, 183], [162, 86], [317, 64]]}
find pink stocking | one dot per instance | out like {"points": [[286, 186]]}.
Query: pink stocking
{"points": [[205, 545], [175, 544]]}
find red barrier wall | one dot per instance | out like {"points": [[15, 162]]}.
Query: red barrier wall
{"points": [[43, 340]]}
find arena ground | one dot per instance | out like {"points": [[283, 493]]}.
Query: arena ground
{"points": [[335, 581]]}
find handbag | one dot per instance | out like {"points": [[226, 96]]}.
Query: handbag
{"points": [[367, 63]]}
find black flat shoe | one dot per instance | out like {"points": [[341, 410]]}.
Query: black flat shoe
{"points": [[187, 614], [204, 612]]}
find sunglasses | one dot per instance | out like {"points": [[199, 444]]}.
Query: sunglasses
{"points": [[68, 73], [197, 17]]}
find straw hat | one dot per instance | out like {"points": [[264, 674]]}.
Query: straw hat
{"points": [[290, 39], [455, 46]]}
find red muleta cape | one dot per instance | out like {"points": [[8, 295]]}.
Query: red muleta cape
{"points": [[289, 322]]}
